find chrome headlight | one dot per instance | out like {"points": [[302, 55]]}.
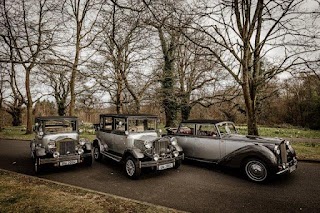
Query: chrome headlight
{"points": [[82, 141], [156, 157], [173, 141], [56, 154], [148, 144], [51, 144], [276, 150], [176, 153], [80, 151]]}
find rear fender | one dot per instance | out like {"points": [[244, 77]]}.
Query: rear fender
{"points": [[97, 142]]}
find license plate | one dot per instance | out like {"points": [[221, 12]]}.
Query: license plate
{"points": [[165, 166], [292, 168], [69, 162]]}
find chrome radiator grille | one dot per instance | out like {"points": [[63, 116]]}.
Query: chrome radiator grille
{"points": [[161, 147], [67, 147]]}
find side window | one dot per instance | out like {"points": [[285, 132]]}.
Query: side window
{"points": [[206, 130], [120, 124], [186, 129], [107, 123]]}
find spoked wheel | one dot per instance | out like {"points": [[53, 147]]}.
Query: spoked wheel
{"points": [[177, 164], [87, 161], [256, 170], [132, 169], [96, 154], [37, 166]]}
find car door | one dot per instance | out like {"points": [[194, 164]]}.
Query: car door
{"points": [[119, 136], [185, 138], [105, 132], [206, 143]]}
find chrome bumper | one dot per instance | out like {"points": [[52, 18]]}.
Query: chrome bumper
{"points": [[63, 158], [290, 168], [144, 164]]}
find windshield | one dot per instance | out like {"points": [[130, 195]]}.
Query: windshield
{"points": [[60, 126], [226, 128], [142, 125]]}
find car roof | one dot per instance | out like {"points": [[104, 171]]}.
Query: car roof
{"points": [[129, 115], [43, 118], [204, 121]]}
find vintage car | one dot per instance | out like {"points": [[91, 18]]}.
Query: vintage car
{"points": [[219, 142], [57, 143], [135, 141]]}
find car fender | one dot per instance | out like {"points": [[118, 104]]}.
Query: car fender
{"points": [[134, 152], [178, 148], [236, 158], [97, 142], [40, 151], [88, 146]]}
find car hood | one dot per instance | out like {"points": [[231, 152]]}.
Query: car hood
{"points": [[61, 136], [253, 139]]}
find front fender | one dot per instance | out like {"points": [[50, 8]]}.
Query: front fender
{"points": [[88, 146], [40, 152], [236, 158], [135, 152]]}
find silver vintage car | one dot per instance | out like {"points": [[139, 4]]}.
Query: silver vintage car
{"points": [[57, 143], [219, 142], [135, 141]]}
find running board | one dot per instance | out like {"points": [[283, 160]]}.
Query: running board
{"points": [[112, 156]]}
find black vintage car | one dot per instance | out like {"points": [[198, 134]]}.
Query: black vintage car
{"points": [[219, 142]]}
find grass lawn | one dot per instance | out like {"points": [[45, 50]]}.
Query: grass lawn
{"points": [[20, 193]]}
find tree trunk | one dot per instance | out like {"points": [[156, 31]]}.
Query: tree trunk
{"points": [[185, 111], [16, 115], [29, 102]]}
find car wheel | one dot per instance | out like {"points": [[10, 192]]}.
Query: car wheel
{"points": [[177, 164], [132, 168], [256, 170], [96, 154], [87, 161], [37, 166]]}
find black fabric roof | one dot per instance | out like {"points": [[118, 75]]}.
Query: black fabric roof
{"points": [[129, 115], [206, 121], [56, 117]]}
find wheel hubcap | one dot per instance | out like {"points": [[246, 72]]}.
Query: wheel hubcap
{"points": [[130, 167], [96, 153], [256, 171]]}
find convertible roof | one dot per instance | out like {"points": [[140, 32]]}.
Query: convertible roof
{"points": [[56, 118], [204, 121], [129, 115]]}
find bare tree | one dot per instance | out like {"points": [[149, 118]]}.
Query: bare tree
{"points": [[122, 51], [30, 33], [242, 33], [83, 16]]}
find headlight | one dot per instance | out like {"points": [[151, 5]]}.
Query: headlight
{"points": [[277, 150], [80, 151], [173, 141], [176, 153], [51, 144], [82, 141], [156, 157], [147, 144], [56, 154], [40, 134]]}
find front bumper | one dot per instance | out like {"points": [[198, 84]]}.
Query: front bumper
{"points": [[292, 166], [153, 163], [65, 158]]}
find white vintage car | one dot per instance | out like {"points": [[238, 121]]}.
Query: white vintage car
{"points": [[135, 141], [219, 142], [57, 143]]}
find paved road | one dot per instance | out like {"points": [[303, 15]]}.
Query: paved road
{"points": [[193, 187]]}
